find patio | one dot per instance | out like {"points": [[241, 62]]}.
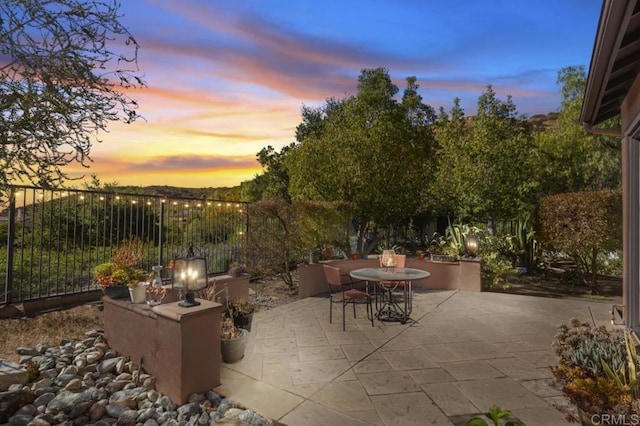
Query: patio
{"points": [[465, 352]]}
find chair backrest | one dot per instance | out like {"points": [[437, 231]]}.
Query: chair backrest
{"points": [[399, 258], [332, 275]]}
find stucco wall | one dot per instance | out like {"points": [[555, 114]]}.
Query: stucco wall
{"points": [[180, 347], [462, 275]]}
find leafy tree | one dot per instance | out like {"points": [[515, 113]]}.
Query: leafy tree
{"points": [[451, 133], [480, 161], [322, 224], [367, 150], [583, 225], [569, 158], [67, 65], [275, 179]]}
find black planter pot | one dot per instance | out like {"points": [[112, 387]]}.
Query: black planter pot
{"points": [[243, 321], [117, 292]]}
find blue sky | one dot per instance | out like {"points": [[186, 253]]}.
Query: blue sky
{"points": [[227, 78]]}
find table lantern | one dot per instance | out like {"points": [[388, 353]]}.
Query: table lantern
{"points": [[472, 245], [388, 259], [190, 274]]}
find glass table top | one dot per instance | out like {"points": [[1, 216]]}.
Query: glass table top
{"points": [[389, 274]]}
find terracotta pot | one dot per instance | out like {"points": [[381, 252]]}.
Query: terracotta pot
{"points": [[421, 256], [354, 256]]}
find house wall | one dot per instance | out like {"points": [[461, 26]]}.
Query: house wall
{"points": [[630, 116]]}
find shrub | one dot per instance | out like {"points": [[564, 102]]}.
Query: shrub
{"points": [[583, 225]]}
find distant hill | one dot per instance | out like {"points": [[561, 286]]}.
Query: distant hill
{"points": [[223, 194]]}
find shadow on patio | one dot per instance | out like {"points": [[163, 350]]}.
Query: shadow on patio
{"points": [[463, 353]]}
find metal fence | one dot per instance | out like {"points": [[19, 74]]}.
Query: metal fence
{"points": [[50, 240]]}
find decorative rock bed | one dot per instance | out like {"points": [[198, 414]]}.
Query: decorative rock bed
{"points": [[86, 382]]}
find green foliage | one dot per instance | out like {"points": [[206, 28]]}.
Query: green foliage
{"points": [[626, 376], [79, 219], [367, 150], [495, 270], [610, 263], [67, 68], [274, 181], [570, 159], [123, 269], [480, 161], [570, 339], [495, 414], [4, 233], [593, 351], [582, 225], [453, 241], [522, 242], [284, 234], [322, 224]]}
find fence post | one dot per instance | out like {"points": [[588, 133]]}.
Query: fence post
{"points": [[160, 226], [10, 246]]}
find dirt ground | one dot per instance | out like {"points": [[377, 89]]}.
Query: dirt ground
{"points": [[609, 288], [52, 327]]}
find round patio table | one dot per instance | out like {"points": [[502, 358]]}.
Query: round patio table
{"points": [[388, 279]]}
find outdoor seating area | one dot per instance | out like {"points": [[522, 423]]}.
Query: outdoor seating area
{"points": [[462, 353]]}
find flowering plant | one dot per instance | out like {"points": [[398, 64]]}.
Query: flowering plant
{"points": [[122, 269]]}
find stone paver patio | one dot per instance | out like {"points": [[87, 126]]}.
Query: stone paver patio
{"points": [[463, 353]]}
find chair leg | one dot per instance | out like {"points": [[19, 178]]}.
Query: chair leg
{"points": [[354, 308], [343, 316], [330, 309]]}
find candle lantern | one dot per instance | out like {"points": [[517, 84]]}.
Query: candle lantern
{"points": [[190, 274]]}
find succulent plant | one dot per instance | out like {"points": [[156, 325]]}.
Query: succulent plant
{"points": [[597, 368]]}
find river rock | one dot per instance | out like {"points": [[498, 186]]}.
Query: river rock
{"points": [[109, 391], [108, 365]]}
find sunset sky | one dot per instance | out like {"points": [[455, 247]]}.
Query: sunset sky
{"points": [[227, 78]]}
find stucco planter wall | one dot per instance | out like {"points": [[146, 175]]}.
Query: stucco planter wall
{"points": [[236, 287], [461, 275], [179, 346]]}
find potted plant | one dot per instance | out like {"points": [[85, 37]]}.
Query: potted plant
{"points": [[121, 273], [241, 312], [597, 371], [233, 341]]}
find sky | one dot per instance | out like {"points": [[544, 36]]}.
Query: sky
{"points": [[226, 78]]}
